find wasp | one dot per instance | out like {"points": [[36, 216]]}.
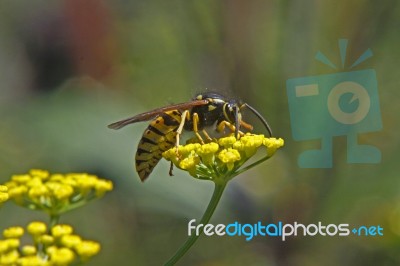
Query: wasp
{"points": [[205, 110]]}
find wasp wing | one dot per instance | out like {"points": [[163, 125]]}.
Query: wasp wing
{"points": [[153, 113]]}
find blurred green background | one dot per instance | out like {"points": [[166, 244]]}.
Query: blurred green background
{"points": [[69, 68]]}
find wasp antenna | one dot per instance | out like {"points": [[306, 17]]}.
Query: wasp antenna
{"points": [[261, 118]]}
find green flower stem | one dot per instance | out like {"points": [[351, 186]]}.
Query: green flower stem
{"points": [[54, 219], [250, 166], [212, 205]]}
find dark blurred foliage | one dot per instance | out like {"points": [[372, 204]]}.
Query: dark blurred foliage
{"points": [[69, 68]]}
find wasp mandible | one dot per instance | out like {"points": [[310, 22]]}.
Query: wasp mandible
{"points": [[164, 131]]}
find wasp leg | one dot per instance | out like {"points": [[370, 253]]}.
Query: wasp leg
{"points": [[196, 129], [221, 127], [171, 167], [246, 125], [206, 135], [185, 115]]}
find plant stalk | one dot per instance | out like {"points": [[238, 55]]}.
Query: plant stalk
{"points": [[212, 205]]}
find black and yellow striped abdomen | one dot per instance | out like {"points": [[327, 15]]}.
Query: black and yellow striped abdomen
{"points": [[159, 136]]}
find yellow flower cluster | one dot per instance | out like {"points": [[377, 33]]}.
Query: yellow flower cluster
{"points": [[59, 247], [3, 193], [55, 193], [222, 157]]}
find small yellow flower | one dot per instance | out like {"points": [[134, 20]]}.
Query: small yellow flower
{"points": [[189, 164], [3, 188], [103, 186], [34, 181], [229, 157], [70, 241], [42, 174], [3, 193], [57, 178], [9, 258], [61, 230], [16, 192], [63, 192], [12, 242], [69, 181], [53, 186], [29, 250], [227, 141], [272, 145], [32, 260], [208, 148], [3, 246], [251, 143], [50, 250], [207, 152], [187, 149], [36, 228], [46, 240], [87, 248], [62, 256], [21, 179], [84, 182], [13, 232], [38, 191]]}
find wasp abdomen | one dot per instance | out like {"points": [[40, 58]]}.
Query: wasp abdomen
{"points": [[159, 136]]}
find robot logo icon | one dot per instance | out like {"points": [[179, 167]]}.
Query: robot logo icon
{"points": [[338, 104]]}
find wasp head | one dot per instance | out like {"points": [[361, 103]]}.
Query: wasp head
{"points": [[232, 113], [220, 108]]}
